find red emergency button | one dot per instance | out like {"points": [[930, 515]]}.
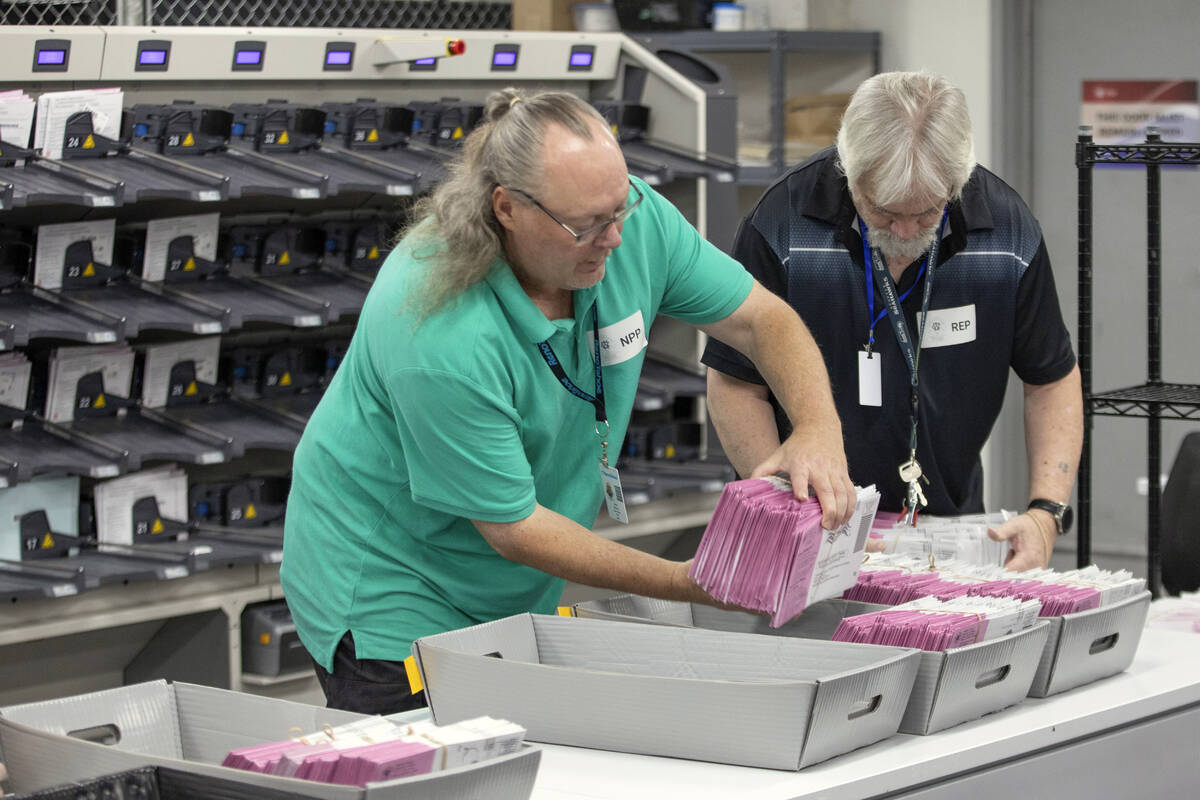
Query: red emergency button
{"points": [[455, 47]]}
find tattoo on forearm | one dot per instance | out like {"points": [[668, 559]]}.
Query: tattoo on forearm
{"points": [[1062, 465]]}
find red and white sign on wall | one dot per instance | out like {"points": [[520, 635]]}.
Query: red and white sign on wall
{"points": [[1120, 111]]}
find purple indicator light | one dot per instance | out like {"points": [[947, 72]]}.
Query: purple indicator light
{"points": [[425, 62], [581, 59], [152, 57], [248, 57], [338, 58], [46, 57], [504, 59]]}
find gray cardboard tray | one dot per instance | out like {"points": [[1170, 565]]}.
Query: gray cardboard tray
{"points": [[757, 701], [192, 728], [1090, 645], [952, 686]]}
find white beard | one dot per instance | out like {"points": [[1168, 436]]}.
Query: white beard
{"points": [[901, 251]]}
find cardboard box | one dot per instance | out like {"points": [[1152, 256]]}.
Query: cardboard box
{"points": [[192, 728], [710, 695], [543, 15], [815, 117], [952, 686], [1090, 645]]}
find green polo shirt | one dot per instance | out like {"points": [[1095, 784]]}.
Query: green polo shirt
{"points": [[427, 427]]}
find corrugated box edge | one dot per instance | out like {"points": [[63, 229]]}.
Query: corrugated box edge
{"points": [[947, 691], [1067, 660], [37, 759], [630, 713], [929, 708]]}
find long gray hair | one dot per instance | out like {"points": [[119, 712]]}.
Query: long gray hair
{"points": [[906, 136], [453, 230]]}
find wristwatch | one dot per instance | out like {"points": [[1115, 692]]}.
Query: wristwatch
{"points": [[1062, 513]]}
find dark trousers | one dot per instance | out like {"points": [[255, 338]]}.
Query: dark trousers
{"points": [[366, 685]]}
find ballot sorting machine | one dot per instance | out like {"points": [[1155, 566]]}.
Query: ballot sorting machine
{"points": [[182, 261]]}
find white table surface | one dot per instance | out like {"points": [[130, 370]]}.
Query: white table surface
{"points": [[1165, 675]]}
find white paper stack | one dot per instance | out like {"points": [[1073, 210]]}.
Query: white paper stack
{"points": [[14, 379], [53, 241], [16, 117], [375, 749], [55, 108], [962, 538], [161, 359], [896, 579], [69, 364], [114, 501], [203, 228]]}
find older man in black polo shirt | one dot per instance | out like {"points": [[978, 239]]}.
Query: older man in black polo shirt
{"points": [[923, 278]]}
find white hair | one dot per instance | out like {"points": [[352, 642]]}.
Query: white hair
{"points": [[906, 137]]}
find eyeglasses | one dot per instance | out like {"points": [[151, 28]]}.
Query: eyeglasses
{"points": [[586, 236]]}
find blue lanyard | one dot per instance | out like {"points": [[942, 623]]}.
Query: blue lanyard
{"points": [[874, 266], [552, 361]]}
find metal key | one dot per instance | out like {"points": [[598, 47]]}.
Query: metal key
{"points": [[910, 471], [915, 491]]}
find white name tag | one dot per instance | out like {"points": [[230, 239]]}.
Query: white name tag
{"points": [[614, 498], [622, 340], [870, 379], [948, 326]]}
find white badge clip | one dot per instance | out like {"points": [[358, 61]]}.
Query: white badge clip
{"points": [[870, 378], [614, 498]]}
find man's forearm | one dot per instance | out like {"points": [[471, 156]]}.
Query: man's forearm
{"points": [[770, 333], [1054, 436], [744, 419]]}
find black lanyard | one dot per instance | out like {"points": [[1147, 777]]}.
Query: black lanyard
{"points": [[873, 263], [552, 361]]}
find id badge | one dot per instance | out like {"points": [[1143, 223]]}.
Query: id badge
{"points": [[614, 498], [870, 379]]}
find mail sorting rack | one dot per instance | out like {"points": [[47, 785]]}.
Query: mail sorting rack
{"points": [[29, 312], [410, 126], [1154, 400]]}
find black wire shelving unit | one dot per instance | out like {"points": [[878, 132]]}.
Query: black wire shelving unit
{"points": [[1153, 400]]}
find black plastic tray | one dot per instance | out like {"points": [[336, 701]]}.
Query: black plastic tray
{"points": [[147, 310], [148, 439], [37, 448], [39, 183], [36, 317], [254, 301], [246, 425]]}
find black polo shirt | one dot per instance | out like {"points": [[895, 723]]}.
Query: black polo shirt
{"points": [[801, 242]]}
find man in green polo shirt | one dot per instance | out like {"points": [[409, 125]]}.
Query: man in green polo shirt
{"points": [[453, 469]]}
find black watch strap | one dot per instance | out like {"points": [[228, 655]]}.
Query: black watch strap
{"points": [[1061, 512]]}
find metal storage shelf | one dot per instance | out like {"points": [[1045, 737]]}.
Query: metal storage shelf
{"points": [[39, 448], [356, 172], [252, 300], [147, 176], [245, 425], [1153, 400], [35, 313], [150, 309], [1165, 400], [778, 44], [147, 436], [43, 182], [342, 293]]}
